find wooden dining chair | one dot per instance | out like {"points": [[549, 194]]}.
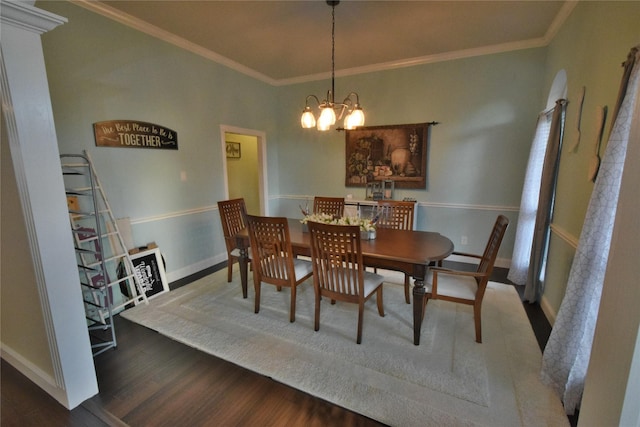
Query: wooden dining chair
{"points": [[273, 259], [397, 215], [233, 218], [328, 205], [338, 271], [468, 287]]}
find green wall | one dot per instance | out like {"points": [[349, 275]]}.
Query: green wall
{"points": [[487, 106], [590, 47], [101, 70]]}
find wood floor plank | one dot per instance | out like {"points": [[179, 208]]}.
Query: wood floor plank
{"points": [[24, 404]]}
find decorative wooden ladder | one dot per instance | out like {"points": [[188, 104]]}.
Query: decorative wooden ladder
{"points": [[102, 257]]}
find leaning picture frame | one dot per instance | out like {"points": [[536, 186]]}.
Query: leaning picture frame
{"points": [[383, 153], [148, 266], [233, 150]]}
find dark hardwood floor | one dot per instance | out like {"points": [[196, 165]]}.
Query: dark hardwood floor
{"points": [[150, 380]]}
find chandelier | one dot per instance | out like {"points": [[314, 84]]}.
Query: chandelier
{"points": [[330, 111]]}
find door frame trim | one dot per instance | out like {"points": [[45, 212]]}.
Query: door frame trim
{"points": [[262, 162]]}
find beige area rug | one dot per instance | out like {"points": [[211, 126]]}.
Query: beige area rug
{"points": [[448, 380]]}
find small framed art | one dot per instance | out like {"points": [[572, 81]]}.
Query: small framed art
{"points": [[233, 150]]}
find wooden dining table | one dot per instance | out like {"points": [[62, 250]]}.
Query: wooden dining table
{"points": [[409, 251]]}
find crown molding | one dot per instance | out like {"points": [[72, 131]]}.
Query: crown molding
{"points": [[559, 20], [27, 17], [168, 37], [421, 60]]}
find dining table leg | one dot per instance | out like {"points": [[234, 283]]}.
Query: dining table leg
{"points": [[243, 265], [418, 309], [419, 294]]}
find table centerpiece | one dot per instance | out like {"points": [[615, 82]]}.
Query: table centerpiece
{"points": [[367, 226]]}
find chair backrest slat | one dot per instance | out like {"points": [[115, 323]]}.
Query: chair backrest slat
{"points": [[233, 215], [271, 246], [452, 285], [396, 214], [328, 205], [337, 258], [493, 245]]}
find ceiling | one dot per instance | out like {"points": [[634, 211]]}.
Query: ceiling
{"points": [[284, 42]]}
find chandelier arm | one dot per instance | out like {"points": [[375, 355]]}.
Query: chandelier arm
{"points": [[306, 102], [354, 94], [342, 108]]}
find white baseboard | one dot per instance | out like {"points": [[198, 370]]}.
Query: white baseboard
{"points": [[195, 268], [35, 374]]}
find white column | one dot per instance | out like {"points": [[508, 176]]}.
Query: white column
{"points": [[26, 107]]}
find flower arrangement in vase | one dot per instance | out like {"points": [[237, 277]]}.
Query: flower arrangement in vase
{"points": [[367, 226]]}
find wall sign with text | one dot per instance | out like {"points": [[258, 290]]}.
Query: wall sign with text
{"points": [[134, 134], [149, 268]]}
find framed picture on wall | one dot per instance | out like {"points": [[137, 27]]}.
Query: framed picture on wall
{"points": [[233, 150], [382, 153]]}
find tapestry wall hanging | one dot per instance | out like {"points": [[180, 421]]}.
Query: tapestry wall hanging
{"points": [[393, 152]]}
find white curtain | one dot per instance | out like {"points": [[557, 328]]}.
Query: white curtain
{"points": [[566, 356], [529, 203], [535, 281]]}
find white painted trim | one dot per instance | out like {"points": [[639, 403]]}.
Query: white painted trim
{"points": [[26, 17], [548, 311], [35, 374], [262, 162], [171, 215], [14, 131], [204, 209], [565, 235], [558, 21], [195, 267], [36, 161], [152, 30], [421, 60], [496, 208]]}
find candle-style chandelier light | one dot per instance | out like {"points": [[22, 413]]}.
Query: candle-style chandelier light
{"points": [[330, 111]]}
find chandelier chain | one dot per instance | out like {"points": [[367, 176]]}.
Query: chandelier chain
{"points": [[333, 51]]}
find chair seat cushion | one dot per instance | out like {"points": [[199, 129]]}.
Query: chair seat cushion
{"points": [[371, 282], [454, 286], [302, 268], [236, 253]]}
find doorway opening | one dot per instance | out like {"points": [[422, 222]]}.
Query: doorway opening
{"points": [[245, 171]]}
